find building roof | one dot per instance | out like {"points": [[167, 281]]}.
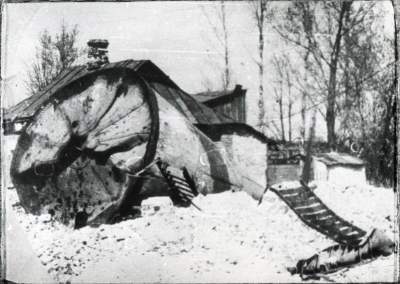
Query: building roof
{"points": [[331, 159], [207, 97], [27, 108], [196, 112]]}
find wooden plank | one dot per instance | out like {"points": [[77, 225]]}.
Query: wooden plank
{"points": [[239, 108], [312, 209], [187, 191], [328, 227], [185, 197], [346, 230], [310, 201], [344, 223], [291, 190], [174, 178], [319, 217], [315, 213], [176, 181], [308, 206], [326, 222], [352, 239], [341, 234], [229, 109], [234, 110], [219, 109], [301, 197]]}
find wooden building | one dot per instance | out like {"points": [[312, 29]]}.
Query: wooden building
{"points": [[231, 103], [338, 168]]}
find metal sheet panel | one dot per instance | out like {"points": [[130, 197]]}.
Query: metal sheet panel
{"points": [[15, 111], [40, 100], [194, 110], [331, 159]]}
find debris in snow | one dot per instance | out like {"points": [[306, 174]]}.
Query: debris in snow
{"points": [[250, 243]]}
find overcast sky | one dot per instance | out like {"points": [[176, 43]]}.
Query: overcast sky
{"points": [[176, 36]]}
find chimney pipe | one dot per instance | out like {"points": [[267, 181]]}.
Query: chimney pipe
{"points": [[97, 53]]}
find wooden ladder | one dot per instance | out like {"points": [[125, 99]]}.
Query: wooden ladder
{"points": [[314, 213], [182, 186]]}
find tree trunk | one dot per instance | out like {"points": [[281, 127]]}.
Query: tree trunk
{"points": [[330, 107], [290, 114], [227, 71], [308, 159], [290, 122], [261, 18], [303, 116], [281, 118]]}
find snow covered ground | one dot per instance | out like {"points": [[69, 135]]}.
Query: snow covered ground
{"points": [[232, 240]]}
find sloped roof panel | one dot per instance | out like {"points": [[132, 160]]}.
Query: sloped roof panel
{"points": [[204, 97], [195, 111], [331, 159], [211, 96], [18, 108], [166, 94], [28, 107], [71, 76]]}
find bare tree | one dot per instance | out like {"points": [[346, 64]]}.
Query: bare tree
{"points": [[367, 102], [207, 83], [262, 14], [283, 93], [52, 56], [221, 32], [291, 97], [318, 28]]}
